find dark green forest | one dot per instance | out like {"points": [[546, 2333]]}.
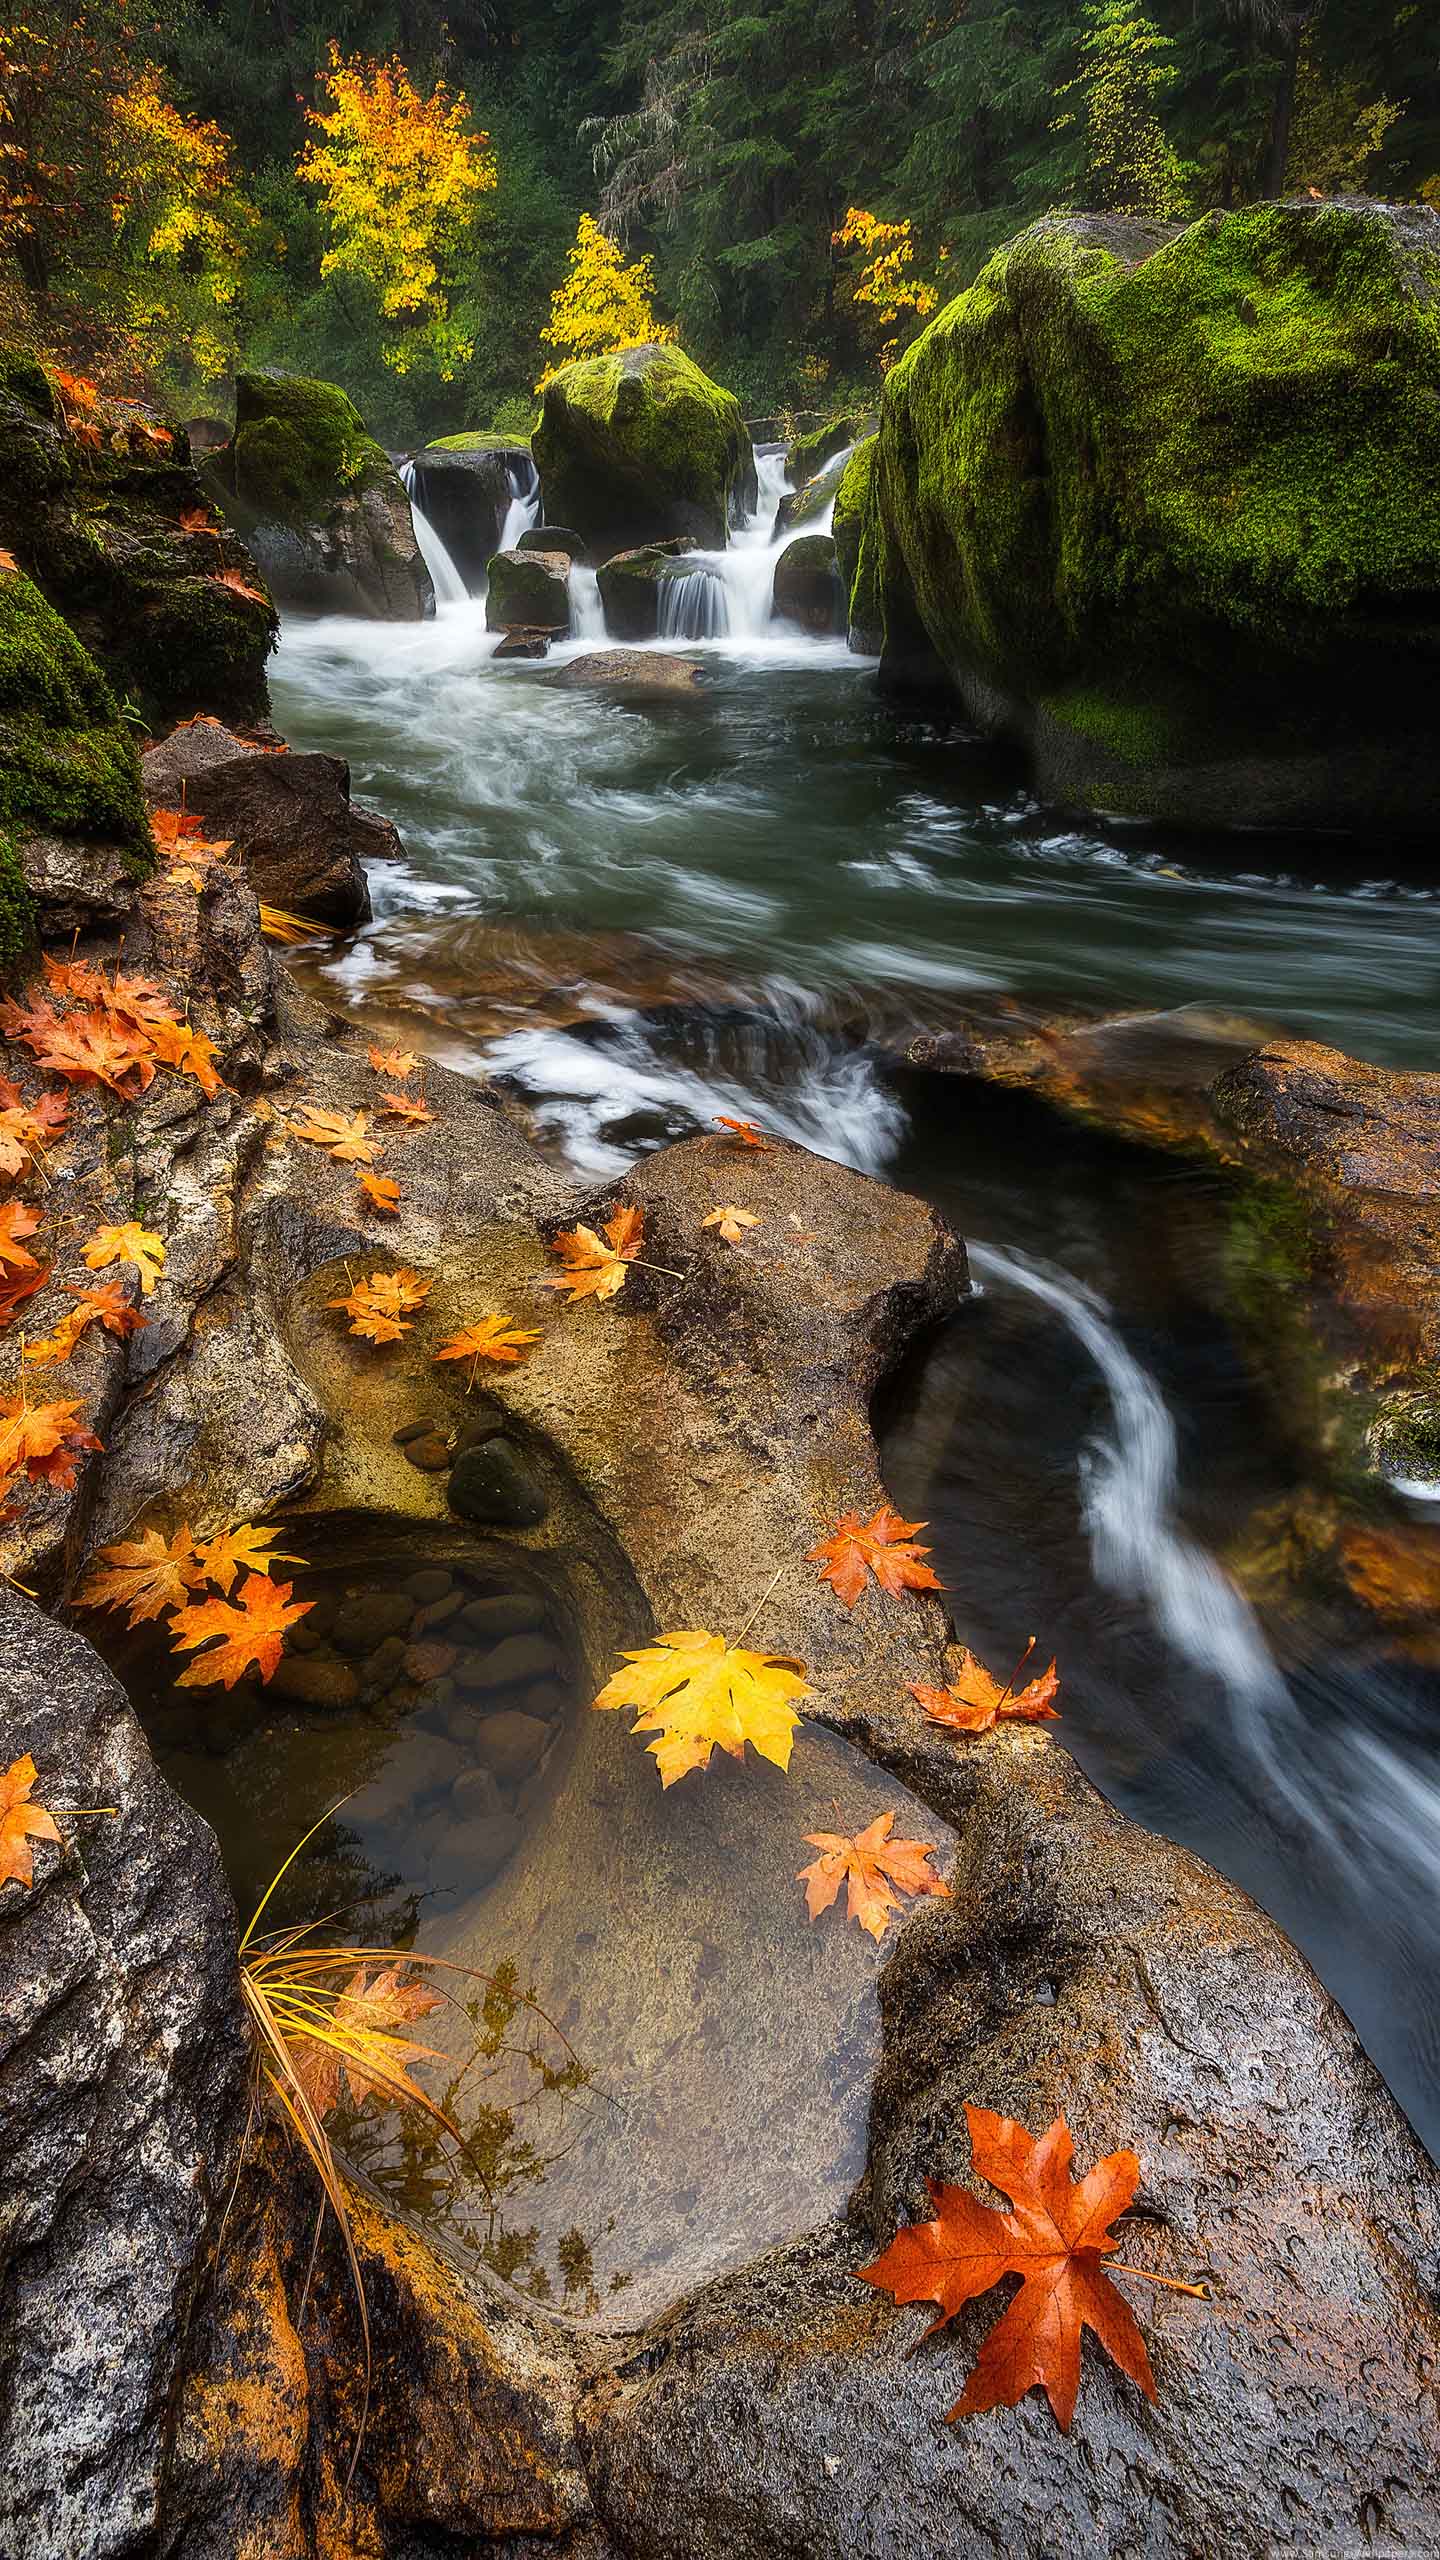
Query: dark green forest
{"points": [[724, 140]]}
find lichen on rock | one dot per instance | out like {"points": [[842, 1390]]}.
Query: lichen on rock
{"points": [[637, 446]]}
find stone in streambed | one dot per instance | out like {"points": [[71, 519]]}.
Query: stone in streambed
{"points": [[430, 1453], [433, 1581], [464, 485], [411, 1431], [493, 1485], [364, 1620], [510, 1665], [468, 1855], [511, 1743], [638, 445], [380, 1673], [630, 584], [319, 501], [502, 1613], [316, 1680], [484, 1420], [425, 1662], [528, 591], [524, 644], [553, 537], [302, 840], [633, 677], [476, 1791], [807, 585]]}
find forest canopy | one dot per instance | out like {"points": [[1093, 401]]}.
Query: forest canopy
{"points": [[430, 204]]}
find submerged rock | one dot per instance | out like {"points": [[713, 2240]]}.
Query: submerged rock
{"points": [[528, 593], [807, 584], [630, 583], [1164, 505], [320, 502], [493, 1484], [635, 447], [464, 484], [301, 838], [636, 676]]}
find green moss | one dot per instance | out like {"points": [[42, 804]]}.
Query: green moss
{"points": [[847, 523], [1404, 1435], [642, 445], [1207, 454], [809, 453], [478, 440], [1134, 733], [17, 912], [299, 447], [68, 764], [524, 593]]}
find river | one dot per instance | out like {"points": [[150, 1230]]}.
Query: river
{"points": [[640, 918]]}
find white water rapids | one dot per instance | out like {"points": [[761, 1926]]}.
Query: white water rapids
{"points": [[445, 578]]}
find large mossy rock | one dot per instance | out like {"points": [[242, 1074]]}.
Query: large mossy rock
{"points": [[105, 510], [465, 484], [809, 453], [320, 502], [72, 821], [528, 591], [635, 447], [807, 585], [847, 526], [1166, 505]]}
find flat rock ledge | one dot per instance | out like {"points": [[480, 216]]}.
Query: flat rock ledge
{"points": [[161, 2388]]}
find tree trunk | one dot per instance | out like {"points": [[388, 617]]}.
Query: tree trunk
{"points": [[1282, 113]]}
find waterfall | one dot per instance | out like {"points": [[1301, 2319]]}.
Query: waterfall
{"points": [[524, 504], [587, 613], [693, 604], [445, 578]]}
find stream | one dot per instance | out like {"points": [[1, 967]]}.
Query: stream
{"points": [[733, 904]]}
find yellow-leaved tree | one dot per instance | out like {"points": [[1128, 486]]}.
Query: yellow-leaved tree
{"points": [[398, 176], [183, 226], [603, 305], [887, 283]]}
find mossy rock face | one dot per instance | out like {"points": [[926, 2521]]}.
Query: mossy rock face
{"points": [[630, 586], [320, 502], [804, 508], [637, 447], [98, 525], [69, 769], [847, 526], [528, 591], [810, 453], [1166, 505], [479, 440]]}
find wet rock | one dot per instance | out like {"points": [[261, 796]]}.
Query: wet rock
{"points": [[316, 1680], [807, 585], [432, 1581], [437, 1613], [301, 838], [634, 676], [553, 537], [809, 453], [69, 778], [502, 1613], [123, 2069], [73, 886], [429, 1661], [419, 1765], [630, 584], [365, 1617], [547, 1699], [814, 499], [475, 1792], [411, 1431], [528, 592], [642, 445], [467, 1857], [852, 557], [430, 1452], [511, 1664], [485, 1416], [464, 484], [510, 1743], [382, 1669], [320, 502], [524, 644], [494, 1486]]}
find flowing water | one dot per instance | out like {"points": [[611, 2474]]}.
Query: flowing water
{"points": [[740, 903]]}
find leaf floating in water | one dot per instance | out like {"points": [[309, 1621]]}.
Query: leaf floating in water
{"points": [[694, 1691]]}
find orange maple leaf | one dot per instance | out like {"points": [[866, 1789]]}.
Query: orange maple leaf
{"points": [[252, 1633], [398, 1106], [175, 1044], [876, 1869], [74, 978], [595, 1268], [241, 1549], [238, 586], [377, 1307], [974, 1701], [42, 1440], [145, 1576], [8, 561], [1054, 2240], [89, 1047], [380, 1190], [196, 520], [108, 1305], [17, 1220], [488, 1338], [745, 1131], [372, 2057], [881, 1546], [397, 1063], [21, 1821], [15, 1288], [346, 1139], [131, 1244]]}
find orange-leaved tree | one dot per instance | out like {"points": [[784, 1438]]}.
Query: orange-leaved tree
{"points": [[398, 175], [602, 305]]}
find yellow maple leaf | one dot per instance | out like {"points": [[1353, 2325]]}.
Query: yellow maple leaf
{"points": [[145, 1576], [694, 1690], [732, 1222], [243, 1549], [346, 1139], [132, 1244]]}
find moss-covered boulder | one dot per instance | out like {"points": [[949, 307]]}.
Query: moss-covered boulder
{"points": [[807, 585], [465, 485], [630, 586], [1166, 503], [808, 508], [847, 525], [809, 453], [320, 502], [72, 820], [101, 504], [528, 591], [636, 447]]}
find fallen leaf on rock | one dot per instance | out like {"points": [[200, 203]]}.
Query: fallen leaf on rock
{"points": [[175, 1044], [131, 1244], [1053, 2240], [882, 1546], [145, 1576], [252, 1633], [15, 1288], [974, 1701], [345, 1138], [488, 1338], [238, 586], [732, 1222], [21, 1821], [398, 1106], [108, 1305], [746, 1132], [17, 1219], [595, 1267], [378, 1188], [8, 561], [44, 1441], [876, 1869], [396, 1063], [378, 1306], [196, 520], [694, 1691]]}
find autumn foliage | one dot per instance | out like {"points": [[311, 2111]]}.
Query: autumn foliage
{"points": [[603, 305]]}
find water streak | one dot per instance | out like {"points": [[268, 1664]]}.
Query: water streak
{"points": [[445, 578], [524, 505]]}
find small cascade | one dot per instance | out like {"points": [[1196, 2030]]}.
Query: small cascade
{"points": [[587, 613], [695, 604], [524, 504], [445, 578]]}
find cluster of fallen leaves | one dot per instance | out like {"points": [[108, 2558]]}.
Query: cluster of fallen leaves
{"points": [[152, 1574], [348, 1138], [113, 1031]]}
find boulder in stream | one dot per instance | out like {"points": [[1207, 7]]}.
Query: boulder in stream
{"points": [[465, 484], [807, 584], [847, 526], [807, 504], [1164, 504], [809, 453], [302, 840], [320, 502], [528, 591], [635, 447], [630, 583]]}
